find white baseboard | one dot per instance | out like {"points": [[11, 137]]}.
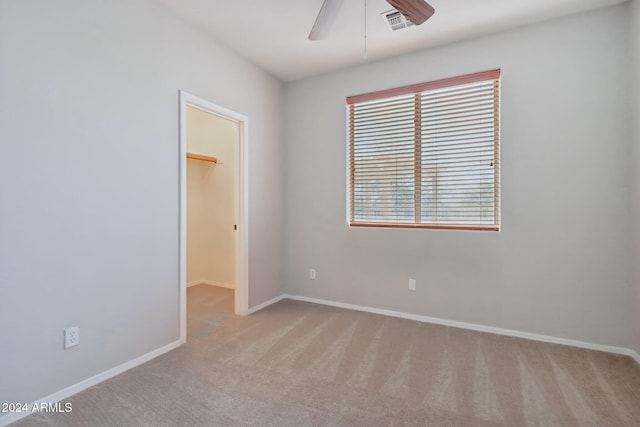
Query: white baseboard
{"points": [[266, 304], [96, 379], [211, 283], [85, 384], [472, 326]]}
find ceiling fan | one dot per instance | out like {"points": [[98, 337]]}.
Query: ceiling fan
{"points": [[416, 11]]}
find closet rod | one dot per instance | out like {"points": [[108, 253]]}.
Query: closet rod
{"points": [[201, 157]]}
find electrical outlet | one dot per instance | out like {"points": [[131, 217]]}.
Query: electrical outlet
{"points": [[312, 273], [412, 284], [71, 337]]}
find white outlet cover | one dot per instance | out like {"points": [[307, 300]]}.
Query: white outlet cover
{"points": [[71, 337], [412, 284]]}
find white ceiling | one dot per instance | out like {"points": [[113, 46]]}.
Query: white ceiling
{"points": [[273, 33]]}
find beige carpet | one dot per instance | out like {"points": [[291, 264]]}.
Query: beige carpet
{"points": [[301, 364]]}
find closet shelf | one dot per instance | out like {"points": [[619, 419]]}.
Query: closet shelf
{"points": [[201, 157]]}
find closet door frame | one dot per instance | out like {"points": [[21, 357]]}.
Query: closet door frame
{"points": [[241, 304]]}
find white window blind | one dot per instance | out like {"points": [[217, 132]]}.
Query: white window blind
{"points": [[427, 155]]}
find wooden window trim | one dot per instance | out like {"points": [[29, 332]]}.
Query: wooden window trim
{"points": [[421, 87], [489, 227]]}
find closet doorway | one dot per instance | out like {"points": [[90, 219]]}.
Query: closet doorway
{"points": [[213, 205]]}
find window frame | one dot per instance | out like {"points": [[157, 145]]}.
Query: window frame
{"points": [[417, 90]]}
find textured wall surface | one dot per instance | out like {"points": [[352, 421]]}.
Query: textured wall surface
{"points": [[89, 181], [559, 266]]}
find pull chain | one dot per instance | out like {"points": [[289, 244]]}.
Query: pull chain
{"points": [[365, 56]]}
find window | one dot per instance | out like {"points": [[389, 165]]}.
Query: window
{"points": [[427, 155]]}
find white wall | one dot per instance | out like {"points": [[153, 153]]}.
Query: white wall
{"points": [[89, 159], [211, 198], [635, 298], [559, 266]]}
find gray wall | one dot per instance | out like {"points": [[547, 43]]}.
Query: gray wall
{"points": [[560, 265], [635, 299], [89, 181]]}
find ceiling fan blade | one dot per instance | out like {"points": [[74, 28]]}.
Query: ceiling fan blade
{"points": [[324, 21], [416, 11]]}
